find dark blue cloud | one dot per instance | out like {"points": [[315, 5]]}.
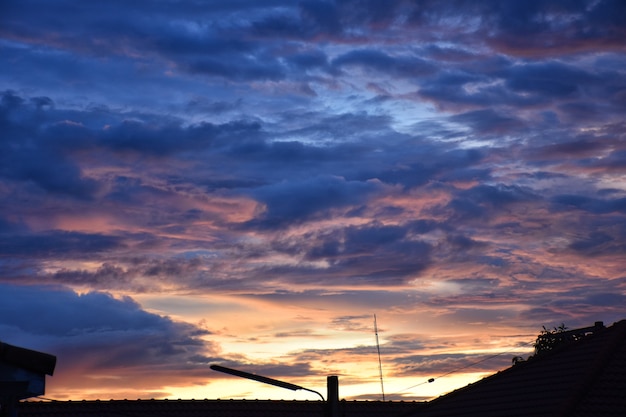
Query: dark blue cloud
{"points": [[463, 243], [164, 139], [306, 20], [606, 299], [324, 15], [596, 243], [477, 83], [590, 204], [607, 19], [29, 157], [309, 60], [488, 122], [282, 25], [39, 144], [49, 171], [95, 332], [487, 200], [372, 252], [550, 79], [57, 315], [348, 132], [241, 69], [206, 106], [535, 26], [357, 241], [405, 66], [498, 195], [54, 244], [8, 227], [107, 276], [137, 273], [431, 164], [571, 149], [290, 201], [615, 160]]}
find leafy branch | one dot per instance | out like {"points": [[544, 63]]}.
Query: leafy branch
{"points": [[548, 339]]}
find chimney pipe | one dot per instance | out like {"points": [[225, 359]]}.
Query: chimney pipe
{"points": [[332, 397]]}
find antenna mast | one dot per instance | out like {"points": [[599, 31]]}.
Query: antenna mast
{"points": [[380, 364]]}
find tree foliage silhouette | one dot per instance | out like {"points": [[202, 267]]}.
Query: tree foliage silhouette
{"points": [[548, 339]]}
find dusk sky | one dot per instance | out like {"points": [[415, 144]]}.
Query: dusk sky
{"points": [[247, 183]]}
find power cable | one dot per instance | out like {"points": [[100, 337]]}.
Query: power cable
{"points": [[431, 380]]}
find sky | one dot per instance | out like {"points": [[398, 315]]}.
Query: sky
{"points": [[248, 183]]}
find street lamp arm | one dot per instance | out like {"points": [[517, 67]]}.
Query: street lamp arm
{"points": [[262, 379], [310, 390]]}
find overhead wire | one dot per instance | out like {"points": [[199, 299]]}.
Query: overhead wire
{"points": [[431, 380]]}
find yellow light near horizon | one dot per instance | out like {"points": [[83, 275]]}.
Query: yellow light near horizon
{"points": [[395, 390]]}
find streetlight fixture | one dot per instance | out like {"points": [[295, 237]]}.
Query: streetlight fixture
{"points": [[332, 405], [262, 379]]}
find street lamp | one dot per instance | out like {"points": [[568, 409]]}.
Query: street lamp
{"points": [[332, 405], [263, 379]]}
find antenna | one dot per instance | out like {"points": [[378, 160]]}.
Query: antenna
{"points": [[380, 364]]}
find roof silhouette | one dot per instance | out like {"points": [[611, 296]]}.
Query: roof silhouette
{"points": [[578, 378], [210, 408]]}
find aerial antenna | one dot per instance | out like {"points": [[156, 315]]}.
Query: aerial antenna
{"points": [[380, 364]]}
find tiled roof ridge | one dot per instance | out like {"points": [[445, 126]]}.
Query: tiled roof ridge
{"points": [[616, 334], [201, 400], [207, 407]]}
